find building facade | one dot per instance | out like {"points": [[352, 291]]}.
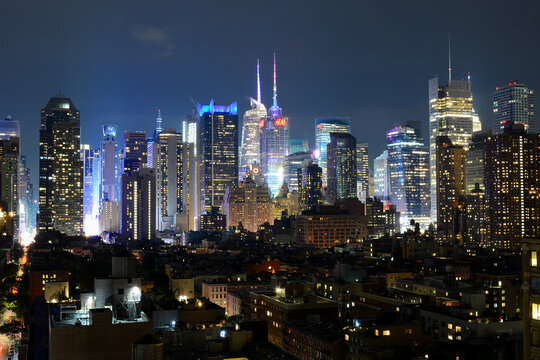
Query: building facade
{"points": [[474, 160], [59, 110], [512, 185], [139, 204], [218, 152], [408, 165], [514, 102], [341, 167], [135, 155], [323, 128], [248, 204], [362, 170], [450, 188], [382, 177], [451, 113]]}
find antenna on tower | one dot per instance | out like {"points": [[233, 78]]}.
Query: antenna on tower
{"points": [[258, 83], [275, 82], [449, 61]]}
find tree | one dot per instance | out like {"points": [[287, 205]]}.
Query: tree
{"points": [[11, 329]]}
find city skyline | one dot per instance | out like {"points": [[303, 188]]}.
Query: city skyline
{"points": [[163, 69]]}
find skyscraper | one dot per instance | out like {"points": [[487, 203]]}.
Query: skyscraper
{"points": [[186, 221], [249, 204], [135, 151], [109, 171], [342, 174], [27, 213], [9, 128], [451, 113], [294, 162], [512, 185], [474, 160], [382, 177], [297, 145], [9, 175], [408, 164], [138, 214], [60, 168], [169, 178], [218, 152], [90, 225], [310, 186], [450, 188], [189, 130], [323, 128], [250, 149], [151, 143], [67, 204], [362, 169], [274, 143], [514, 102]]}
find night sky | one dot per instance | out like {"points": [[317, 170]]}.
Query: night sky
{"points": [[369, 60]]}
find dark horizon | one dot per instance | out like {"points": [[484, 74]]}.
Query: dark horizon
{"points": [[119, 62]]}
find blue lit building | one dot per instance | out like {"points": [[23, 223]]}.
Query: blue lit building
{"points": [[408, 164], [218, 152], [109, 171], [274, 143], [294, 162], [323, 128]]}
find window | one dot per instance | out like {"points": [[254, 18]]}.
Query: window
{"points": [[120, 291], [534, 260], [535, 313], [386, 332], [376, 332]]}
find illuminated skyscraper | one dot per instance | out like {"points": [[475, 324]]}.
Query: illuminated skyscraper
{"points": [[408, 163], [514, 102], [138, 213], [297, 145], [60, 167], [382, 177], [451, 113], [362, 170], [187, 220], [151, 143], [450, 189], [9, 174], [9, 128], [250, 149], [27, 213], [323, 128], [474, 160], [109, 171], [218, 152], [169, 178], [512, 185], [274, 143], [310, 186], [67, 204], [189, 130], [135, 151], [89, 217], [342, 174], [294, 162]]}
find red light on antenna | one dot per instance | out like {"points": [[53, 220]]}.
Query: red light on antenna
{"points": [[261, 123], [320, 126]]}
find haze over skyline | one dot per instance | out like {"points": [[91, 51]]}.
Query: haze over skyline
{"points": [[369, 62]]}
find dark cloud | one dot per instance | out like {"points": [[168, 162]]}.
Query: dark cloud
{"points": [[155, 38]]}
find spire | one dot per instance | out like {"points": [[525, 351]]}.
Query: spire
{"points": [[158, 122], [275, 83], [258, 83], [449, 61]]}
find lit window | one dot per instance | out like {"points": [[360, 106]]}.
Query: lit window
{"points": [[534, 260], [386, 332], [450, 326], [376, 332], [535, 311]]}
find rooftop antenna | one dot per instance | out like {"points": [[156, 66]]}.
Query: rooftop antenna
{"points": [[449, 61], [258, 84], [275, 82]]}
